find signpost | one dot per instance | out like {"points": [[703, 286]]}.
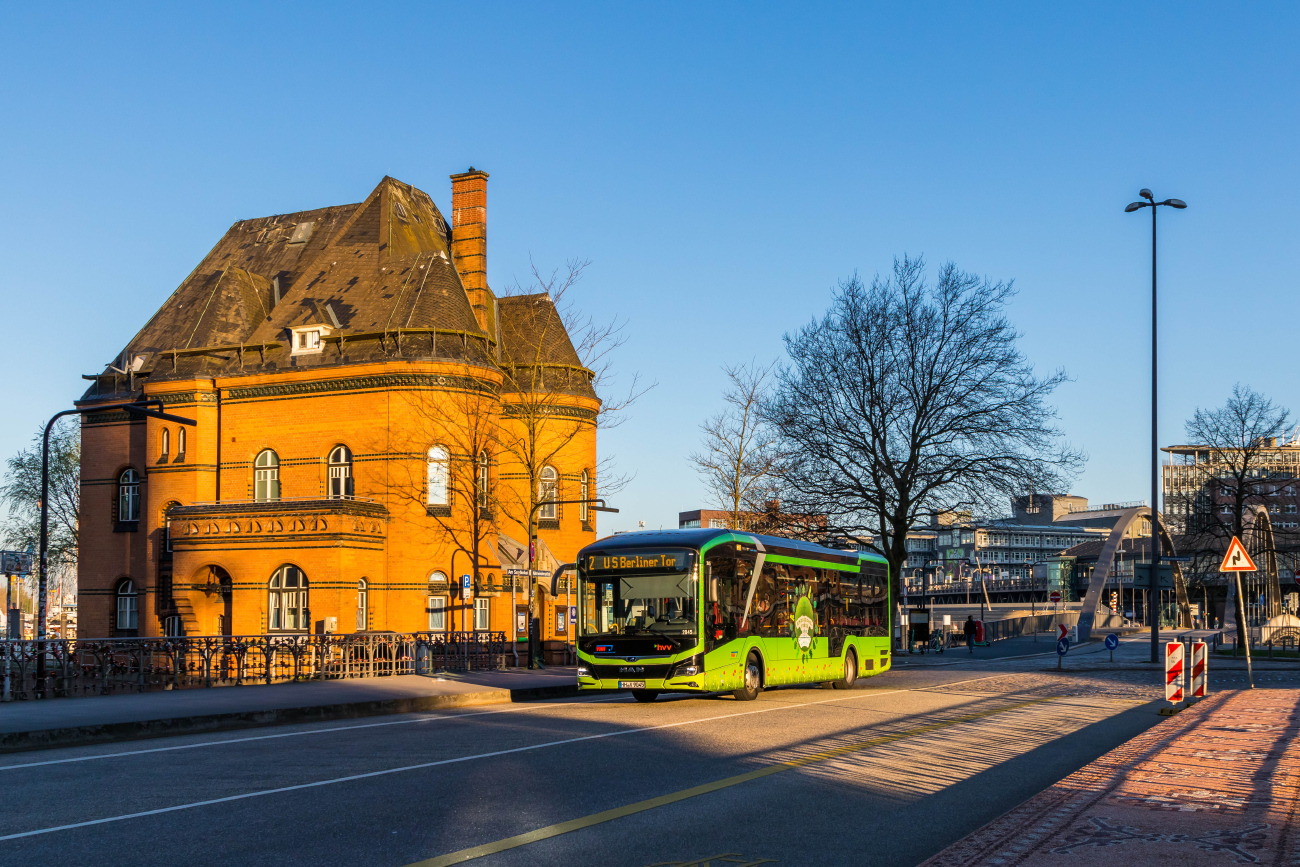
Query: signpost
{"points": [[1236, 560], [1062, 648], [1055, 596], [1173, 675], [1112, 642]]}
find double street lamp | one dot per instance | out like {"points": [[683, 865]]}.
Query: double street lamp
{"points": [[138, 408], [596, 504], [1178, 204]]}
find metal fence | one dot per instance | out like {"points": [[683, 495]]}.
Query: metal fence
{"points": [[108, 666]]}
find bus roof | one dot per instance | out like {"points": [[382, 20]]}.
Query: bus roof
{"points": [[702, 537]]}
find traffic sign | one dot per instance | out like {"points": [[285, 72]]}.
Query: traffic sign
{"points": [[1236, 560], [1055, 596], [16, 562], [1112, 641], [466, 587], [1062, 646]]}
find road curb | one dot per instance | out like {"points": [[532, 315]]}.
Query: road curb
{"points": [[75, 736]]}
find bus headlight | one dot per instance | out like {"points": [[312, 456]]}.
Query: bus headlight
{"points": [[687, 668], [584, 671]]}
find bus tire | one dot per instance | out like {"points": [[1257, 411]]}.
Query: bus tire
{"points": [[850, 671], [645, 694], [753, 679]]}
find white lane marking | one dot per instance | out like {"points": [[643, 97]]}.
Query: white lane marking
{"points": [[400, 722], [424, 765]]}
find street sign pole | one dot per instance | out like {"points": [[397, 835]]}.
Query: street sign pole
{"points": [[1237, 560]]}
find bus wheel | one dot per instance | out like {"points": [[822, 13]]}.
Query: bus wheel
{"points": [[645, 694], [850, 671], [753, 680]]}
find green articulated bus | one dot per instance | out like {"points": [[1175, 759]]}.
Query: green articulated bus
{"points": [[724, 610]]}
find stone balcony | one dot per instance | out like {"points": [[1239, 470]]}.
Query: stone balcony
{"points": [[348, 522]]}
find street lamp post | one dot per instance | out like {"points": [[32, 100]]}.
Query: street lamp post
{"points": [[137, 408], [1033, 594], [532, 553], [1153, 593]]}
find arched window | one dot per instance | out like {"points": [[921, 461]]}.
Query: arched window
{"points": [[128, 496], [164, 443], [166, 525], [361, 604], [584, 494], [484, 480], [547, 492], [128, 609], [438, 598], [437, 474], [287, 601], [340, 473], [266, 477], [180, 442]]}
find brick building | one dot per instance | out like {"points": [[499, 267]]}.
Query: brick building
{"points": [[372, 422]]}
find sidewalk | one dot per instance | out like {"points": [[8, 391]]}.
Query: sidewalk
{"points": [[1134, 651], [1219, 783], [26, 725]]}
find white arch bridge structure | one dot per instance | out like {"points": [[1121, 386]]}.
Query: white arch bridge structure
{"points": [[1258, 541]]}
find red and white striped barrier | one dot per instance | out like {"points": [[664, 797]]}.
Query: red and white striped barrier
{"points": [[1198, 669], [1174, 671]]}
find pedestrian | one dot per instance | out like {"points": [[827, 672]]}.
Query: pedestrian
{"points": [[969, 629]]}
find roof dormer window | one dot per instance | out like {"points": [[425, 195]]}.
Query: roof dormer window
{"points": [[308, 339]]}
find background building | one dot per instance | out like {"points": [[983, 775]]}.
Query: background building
{"points": [[372, 422]]}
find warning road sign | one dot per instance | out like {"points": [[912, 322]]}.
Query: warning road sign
{"points": [[1237, 560]]}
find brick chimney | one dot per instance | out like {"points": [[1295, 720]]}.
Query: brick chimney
{"points": [[469, 240]]}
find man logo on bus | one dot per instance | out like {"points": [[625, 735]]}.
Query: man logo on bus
{"points": [[805, 623]]}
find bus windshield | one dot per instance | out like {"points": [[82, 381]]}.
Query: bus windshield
{"points": [[640, 601]]}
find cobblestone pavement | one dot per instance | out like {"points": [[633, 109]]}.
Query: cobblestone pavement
{"points": [[1120, 683], [1217, 784]]}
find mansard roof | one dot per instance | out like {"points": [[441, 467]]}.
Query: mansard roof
{"points": [[379, 274]]}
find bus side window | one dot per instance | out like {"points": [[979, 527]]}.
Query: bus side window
{"points": [[875, 594]]}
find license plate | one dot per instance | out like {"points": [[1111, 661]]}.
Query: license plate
{"points": [[631, 684]]}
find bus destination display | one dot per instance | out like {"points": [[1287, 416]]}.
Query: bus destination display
{"points": [[639, 561]]}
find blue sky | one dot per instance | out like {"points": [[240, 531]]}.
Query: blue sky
{"points": [[722, 165]]}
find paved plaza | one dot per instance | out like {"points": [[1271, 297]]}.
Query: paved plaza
{"points": [[1217, 784]]}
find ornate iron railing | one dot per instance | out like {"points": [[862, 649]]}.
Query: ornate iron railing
{"points": [[107, 666]]}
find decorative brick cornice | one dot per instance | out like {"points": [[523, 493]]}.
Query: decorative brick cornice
{"points": [[511, 410], [377, 382]]}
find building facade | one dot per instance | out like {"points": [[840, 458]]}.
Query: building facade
{"points": [[371, 423]]}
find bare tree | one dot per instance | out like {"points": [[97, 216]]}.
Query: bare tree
{"points": [[908, 398], [450, 473], [558, 379], [21, 492], [739, 458], [1238, 468]]}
